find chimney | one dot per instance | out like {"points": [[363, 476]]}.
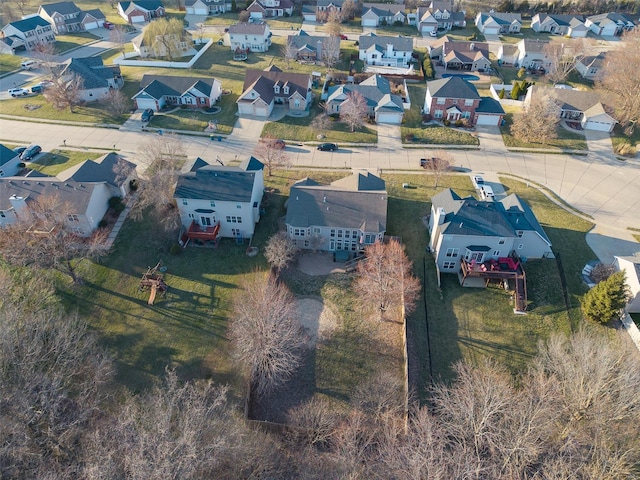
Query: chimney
{"points": [[472, 46], [324, 199], [440, 214]]}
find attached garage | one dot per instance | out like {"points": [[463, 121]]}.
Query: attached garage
{"points": [[261, 111], [489, 112], [370, 21], [144, 103], [491, 30], [600, 126], [601, 122], [487, 119], [137, 19], [394, 118], [91, 25]]}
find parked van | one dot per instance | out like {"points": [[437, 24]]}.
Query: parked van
{"points": [[29, 64], [486, 192]]}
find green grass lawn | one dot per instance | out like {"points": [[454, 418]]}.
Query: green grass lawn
{"points": [[64, 43], [197, 121], [566, 140], [9, 63], [619, 138], [437, 135], [56, 161], [636, 318]]}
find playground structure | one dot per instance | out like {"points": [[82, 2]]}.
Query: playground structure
{"points": [[153, 280], [203, 234]]}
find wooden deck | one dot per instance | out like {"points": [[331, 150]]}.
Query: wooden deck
{"points": [[506, 268]]}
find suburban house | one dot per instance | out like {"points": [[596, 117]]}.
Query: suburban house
{"points": [[325, 7], [383, 105], [26, 34], [263, 89], [376, 14], [609, 24], [387, 51], [569, 25], [207, 7], [260, 9], [180, 45], [526, 53], [309, 13], [439, 16], [631, 268], [493, 23], [460, 55], [580, 106], [9, 162], [220, 201], [344, 216], [252, 37], [456, 99], [590, 67], [158, 91], [482, 241], [66, 17], [86, 188], [308, 48], [507, 54], [141, 10], [97, 79]]}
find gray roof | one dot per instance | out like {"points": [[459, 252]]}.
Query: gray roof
{"points": [[376, 90], [326, 3], [383, 9], [158, 86], [503, 218], [489, 105], [73, 193], [110, 168], [29, 24], [562, 20], [401, 44], [303, 39], [63, 8], [149, 5], [605, 18], [452, 87], [92, 71], [358, 202], [6, 155], [219, 183], [593, 61], [249, 28], [263, 81], [576, 100], [533, 46], [500, 18]]}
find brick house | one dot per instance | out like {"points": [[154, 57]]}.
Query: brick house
{"points": [[141, 10]]}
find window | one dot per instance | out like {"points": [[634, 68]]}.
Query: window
{"points": [[276, 88], [333, 233], [77, 230], [235, 232], [468, 102], [307, 243], [205, 221], [238, 205], [233, 219], [212, 203], [286, 90], [448, 265], [3, 215], [440, 101], [185, 201], [438, 114], [299, 232], [496, 253], [316, 230], [339, 234], [501, 241], [73, 218], [466, 114], [452, 252]]}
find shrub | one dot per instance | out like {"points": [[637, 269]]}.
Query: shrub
{"points": [[626, 149], [398, 23], [133, 184], [175, 249], [102, 223], [501, 94], [410, 137], [605, 301], [426, 118], [115, 201], [522, 72], [515, 91], [459, 123], [446, 123]]}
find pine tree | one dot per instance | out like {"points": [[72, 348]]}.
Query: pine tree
{"points": [[604, 302]]}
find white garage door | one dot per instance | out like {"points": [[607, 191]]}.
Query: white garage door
{"points": [[487, 119], [261, 111], [144, 103], [137, 19], [90, 25], [600, 126], [393, 118], [369, 22], [202, 11], [492, 30]]}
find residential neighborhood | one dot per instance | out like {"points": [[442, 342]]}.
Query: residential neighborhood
{"points": [[265, 239]]}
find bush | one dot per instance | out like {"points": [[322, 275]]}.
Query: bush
{"points": [[398, 23], [626, 149], [102, 223], [115, 201], [133, 184], [446, 123], [605, 301], [175, 249], [501, 94], [22, 165], [410, 137], [426, 118], [459, 123]]}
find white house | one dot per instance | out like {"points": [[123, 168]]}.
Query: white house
{"points": [[526, 53], [98, 80], [609, 24], [260, 9], [460, 55], [207, 7], [9, 162], [156, 91], [440, 15], [66, 17], [86, 188], [346, 215], [570, 25], [26, 34], [254, 37], [209, 195], [493, 23], [631, 268], [387, 51], [156, 47], [376, 14], [590, 67]]}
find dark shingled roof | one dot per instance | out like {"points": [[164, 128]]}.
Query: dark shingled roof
{"points": [[158, 86], [401, 44], [109, 168], [91, 70], [500, 18], [489, 105], [358, 202], [376, 90], [71, 192], [263, 81], [6, 155], [219, 183], [249, 28], [28, 24], [63, 8], [452, 87]]}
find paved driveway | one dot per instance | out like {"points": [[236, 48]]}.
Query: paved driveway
{"points": [[389, 137], [599, 144]]}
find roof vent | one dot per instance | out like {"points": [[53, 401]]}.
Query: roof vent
{"points": [[324, 199], [461, 223], [67, 185]]}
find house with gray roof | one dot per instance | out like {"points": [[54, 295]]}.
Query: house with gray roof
{"points": [[383, 105], [207, 7], [609, 24], [309, 48], [460, 55], [179, 45], [439, 16], [386, 51], [86, 188], [158, 91], [260, 9], [590, 66], [211, 195], [140, 11], [98, 80], [569, 25], [9, 162], [263, 89], [26, 35], [376, 14], [477, 231], [345, 215], [249, 37], [631, 267], [496, 23], [527, 53], [66, 17]]}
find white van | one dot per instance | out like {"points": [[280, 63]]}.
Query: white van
{"points": [[29, 64], [486, 192]]}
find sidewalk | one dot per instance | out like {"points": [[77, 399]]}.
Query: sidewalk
{"points": [[118, 225]]}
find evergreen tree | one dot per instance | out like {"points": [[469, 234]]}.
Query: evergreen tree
{"points": [[515, 91], [604, 302]]}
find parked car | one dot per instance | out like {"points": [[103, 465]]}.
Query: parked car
{"points": [[343, 37], [486, 192], [30, 152], [146, 115], [19, 150], [18, 92], [478, 182], [327, 147], [433, 33], [37, 89], [108, 25], [29, 64]]}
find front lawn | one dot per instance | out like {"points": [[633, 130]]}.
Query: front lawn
{"points": [[197, 121], [566, 140], [64, 43], [619, 139], [437, 135], [9, 63], [56, 161]]}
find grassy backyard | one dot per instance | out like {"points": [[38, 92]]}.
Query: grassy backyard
{"points": [[9, 63], [64, 43], [566, 140], [56, 161]]}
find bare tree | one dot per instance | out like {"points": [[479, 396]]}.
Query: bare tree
{"points": [[46, 234], [563, 57], [65, 92], [280, 251], [162, 158], [165, 35], [118, 37], [321, 123], [349, 9], [384, 279], [272, 153], [331, 51], [266, 333], [439, 165], [314, 421], [46, 54], [243, 16], [8, 14], [353, 110], [621, 80], [117, 102], [334, 19], [23, 5], [538, 122], [289, 51]]}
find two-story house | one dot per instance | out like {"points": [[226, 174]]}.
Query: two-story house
{"points": [[456, 99], [157, 91], [383, 105], [526, 53], [308, 48], [260, 9], [387, 51], [252, 37], [140, 11], [609, 24], [66, 17], [440, 15], [220, 200], [98, 80], [26, 34], [460, 55], [377, 14], [160, 46], [496, 23], [570, 25], [590, 67], [346, 215], [207, 7], [263, 89]]}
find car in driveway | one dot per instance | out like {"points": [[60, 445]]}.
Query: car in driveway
{"points": [[478, 182], [30, 152], [147, 115], [486, 193], [108, 25], [433, 33], [18, 92], [327, 147], [343, 37], [19, 150]]}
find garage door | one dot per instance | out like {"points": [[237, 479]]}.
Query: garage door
{"points": [[137, 19], [202, 11], [369, 22], [487, 119], [492, 30], [90, 25], [600, 126], [393, 118], [261, 111], [144, 103]]}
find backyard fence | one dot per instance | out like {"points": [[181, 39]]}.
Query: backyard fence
{"points": [[122, 60]]}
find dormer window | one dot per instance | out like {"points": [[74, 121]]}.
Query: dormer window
{"points": [[286, 89], [276, 88]]}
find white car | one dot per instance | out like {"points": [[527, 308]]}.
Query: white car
{"points": [[486, 192], [433, 33], [478, 182], [18, 92]]}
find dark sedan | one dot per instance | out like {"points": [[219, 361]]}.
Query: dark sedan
{"points": [[30, 152], [327, 147]]}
